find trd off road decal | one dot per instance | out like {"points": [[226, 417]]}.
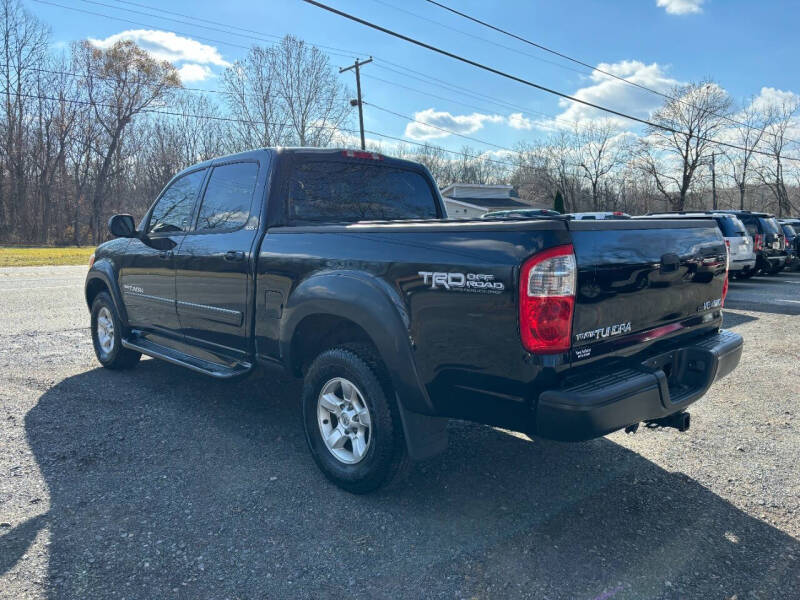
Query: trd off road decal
{"points": [[480, 283]]}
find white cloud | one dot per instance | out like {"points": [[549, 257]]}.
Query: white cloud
{"points": [[191, 72], [682, 7], [614, 93], [463, 124], [771, 97], [165, 45], [520, 121]]}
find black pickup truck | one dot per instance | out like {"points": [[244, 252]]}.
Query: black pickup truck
{"points": [[341, 267]]}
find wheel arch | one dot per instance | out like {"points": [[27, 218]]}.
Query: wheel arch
{"points": [[101, 278], [332, 308]]}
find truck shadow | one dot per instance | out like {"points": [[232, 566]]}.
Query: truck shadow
{"points": [[164, 484]]}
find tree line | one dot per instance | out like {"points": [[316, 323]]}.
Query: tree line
{"points": [[90, 131]]}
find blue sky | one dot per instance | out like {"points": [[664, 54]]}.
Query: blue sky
{"points": [[745, 46]]}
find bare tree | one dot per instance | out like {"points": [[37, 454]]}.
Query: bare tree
{"points": [[120, 82], [599, 149], [25, 42], [747, 133], [286, 94], [314, 102], [683, 137], [771, 169]]}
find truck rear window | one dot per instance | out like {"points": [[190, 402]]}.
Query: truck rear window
{"points": [[346, 192]]}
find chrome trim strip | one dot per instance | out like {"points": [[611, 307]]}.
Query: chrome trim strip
{"points": [[232, 317], [216, 309], [149, 297]]}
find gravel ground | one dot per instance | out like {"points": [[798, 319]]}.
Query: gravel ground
{"points": [[161, 483]]}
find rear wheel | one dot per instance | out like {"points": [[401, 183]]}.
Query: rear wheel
{"points": [[107, 335], [745, 273], [351, 422]]}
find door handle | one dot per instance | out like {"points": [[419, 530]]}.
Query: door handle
{"points": [[165, 254], [234, 255]]}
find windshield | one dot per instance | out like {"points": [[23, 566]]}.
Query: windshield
{"points": [[789, 231]]}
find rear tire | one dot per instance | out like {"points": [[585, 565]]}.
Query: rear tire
{"points": [[107, 335], [745, 273], [351, 421]]}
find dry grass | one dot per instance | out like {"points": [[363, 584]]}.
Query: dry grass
{"points": [[28, 257]]}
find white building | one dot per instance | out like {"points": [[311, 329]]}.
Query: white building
{"points": [[471, 200]]}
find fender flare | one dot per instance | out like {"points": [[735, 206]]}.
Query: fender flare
{"points": [[374, 306], [103, 271]]}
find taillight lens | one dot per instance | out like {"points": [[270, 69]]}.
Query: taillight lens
{"points": [[362, 154], [727, 270], [758, 242], [547, 300]]}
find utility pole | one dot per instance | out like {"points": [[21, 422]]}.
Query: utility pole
{"points": [[714, 180], [358, 101]]}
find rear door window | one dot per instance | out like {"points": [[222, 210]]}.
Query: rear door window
{"points": [[229, 195], [347, 192], [730, 227], [173, 211], [769, 225]]}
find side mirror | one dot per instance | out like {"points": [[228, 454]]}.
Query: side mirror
{"points": [[122, 226]]}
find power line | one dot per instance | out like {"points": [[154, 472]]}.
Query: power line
{"points": [[477, 37], [576, 61], [229, 26], [442, 83], [184, 33], [183, 87], [380, 108], [272, 123], [518, 79]]}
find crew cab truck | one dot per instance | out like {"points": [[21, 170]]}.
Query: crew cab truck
{"points": [[339, 267]]}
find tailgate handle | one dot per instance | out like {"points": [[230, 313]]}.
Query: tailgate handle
{"points": [[670, 262]]}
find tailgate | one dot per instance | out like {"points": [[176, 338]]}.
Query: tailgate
{"points": [[639, 280]]}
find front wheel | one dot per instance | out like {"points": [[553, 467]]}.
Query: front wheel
{"points": [[351, 422], [107, 335]]}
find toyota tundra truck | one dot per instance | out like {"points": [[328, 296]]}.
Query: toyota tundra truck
{"points": [[340, 267]]}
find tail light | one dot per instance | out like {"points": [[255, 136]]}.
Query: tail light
{"points": [[362, 154], [547, 300], [758, 242], [727, 270]]}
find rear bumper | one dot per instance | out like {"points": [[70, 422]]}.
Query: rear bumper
{"points": [[744, 264], [599, 403]]}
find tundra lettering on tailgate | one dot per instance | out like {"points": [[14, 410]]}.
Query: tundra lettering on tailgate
{"points": [[604, 332]]}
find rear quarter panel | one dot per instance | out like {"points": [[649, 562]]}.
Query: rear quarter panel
{"points": [[465, 340]]}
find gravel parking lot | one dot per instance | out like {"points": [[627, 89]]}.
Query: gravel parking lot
{"points": [[161, 483]]}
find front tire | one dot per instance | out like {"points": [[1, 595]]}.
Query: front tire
{"points": [[107, 335], [351, 421]]}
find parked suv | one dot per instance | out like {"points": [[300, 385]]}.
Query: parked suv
{"points": [[740, 244], [792, 243], [768, 241]]}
